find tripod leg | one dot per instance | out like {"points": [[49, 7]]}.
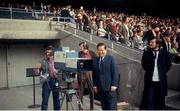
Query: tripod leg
{"points": [[70, 101], [62, 100], [67, 101], [80, 105]]}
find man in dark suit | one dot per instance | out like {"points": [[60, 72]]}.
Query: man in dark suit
{"points": [[125, 31], [156, 63], [166, 41], [105, 78]]}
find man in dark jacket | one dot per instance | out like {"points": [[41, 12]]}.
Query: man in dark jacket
{"points": [[156, 63], [105, 78], [46, 66]]}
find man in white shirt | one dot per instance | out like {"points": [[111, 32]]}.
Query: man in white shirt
{"points": [[156, 63]]}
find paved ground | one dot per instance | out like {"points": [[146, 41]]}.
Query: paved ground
{"points": [[19, 98]]}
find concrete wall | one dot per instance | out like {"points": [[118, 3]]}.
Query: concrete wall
{"points": [[23, 25], [174, 77], [28, 29]]}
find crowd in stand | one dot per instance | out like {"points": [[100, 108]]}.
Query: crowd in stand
{"points": [[132, 30]]}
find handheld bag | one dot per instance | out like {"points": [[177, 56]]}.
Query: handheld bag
{"points": [[44, 75]]}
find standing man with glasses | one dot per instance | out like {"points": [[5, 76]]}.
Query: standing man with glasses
{"points": [[46, 66], [105, 78]]}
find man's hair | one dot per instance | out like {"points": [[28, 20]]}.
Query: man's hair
{"points": [[124, 18], [50, 47], [101, 44], [81, 43], [154, 25], [158, 41]]}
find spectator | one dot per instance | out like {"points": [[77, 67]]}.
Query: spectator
{"points": [[174, 53], [150, 34], [166, 42], [101, 31], [178, 39], [137, 40], [156, 62], [124, 30]]}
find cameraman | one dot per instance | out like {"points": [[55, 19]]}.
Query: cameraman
{"points": [[47, 66], [86, 76]]}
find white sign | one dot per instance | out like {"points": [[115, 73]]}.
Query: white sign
{"points": [[71, 63]]}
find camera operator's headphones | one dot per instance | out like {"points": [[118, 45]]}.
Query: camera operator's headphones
{"points": [[85, 46]]}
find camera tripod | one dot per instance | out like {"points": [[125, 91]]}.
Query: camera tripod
{"points": [[68, 93]]}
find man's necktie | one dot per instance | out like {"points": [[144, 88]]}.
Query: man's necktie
{"points": [[100, 65], [155, 54]]}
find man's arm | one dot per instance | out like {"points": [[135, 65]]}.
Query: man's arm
{"points": [[94, 77], [114, 75], [143, 61], [168, 61]]}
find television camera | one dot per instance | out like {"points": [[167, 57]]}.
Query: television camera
{"points": [[68, 64]]}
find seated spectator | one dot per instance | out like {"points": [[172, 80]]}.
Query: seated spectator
{"points": [[166, 42], [93, 26], [137, 39], [174, 53], [178, 39]]}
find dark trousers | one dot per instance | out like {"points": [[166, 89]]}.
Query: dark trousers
{"points": [[108, 99], [155, 99], [47, 87], [86, 78]]}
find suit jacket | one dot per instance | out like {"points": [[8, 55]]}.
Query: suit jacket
{"points": [[163, 64], [165, 45], [109, 76], [178, 41]]}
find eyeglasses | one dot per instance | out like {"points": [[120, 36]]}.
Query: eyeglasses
{"points": [[48, 51]]}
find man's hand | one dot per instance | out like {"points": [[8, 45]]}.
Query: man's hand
{"points": [[38, 65], [113, 88], [95, 89], [36, 69]]}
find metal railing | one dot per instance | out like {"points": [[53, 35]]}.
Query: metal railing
{"points": [[16, 13]]}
